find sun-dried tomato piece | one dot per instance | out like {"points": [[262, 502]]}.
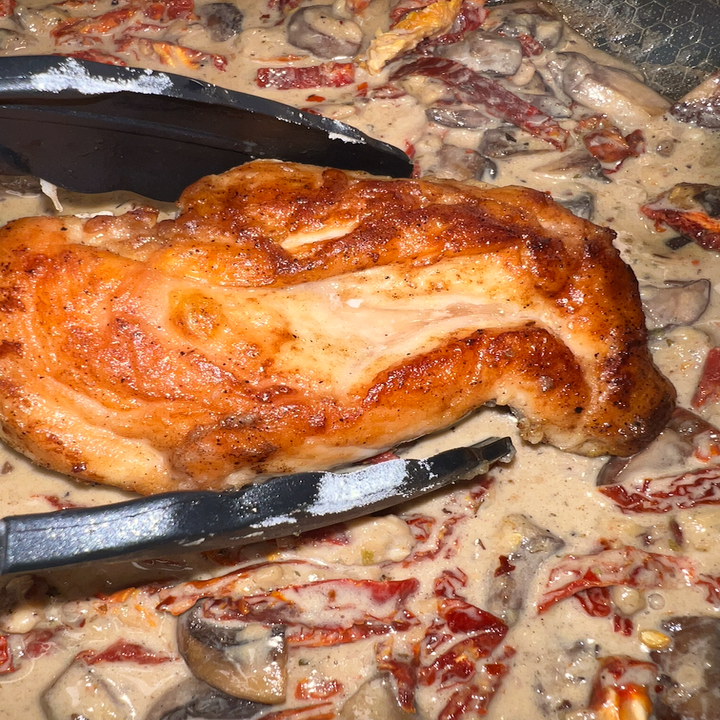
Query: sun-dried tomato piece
{"points": [[661, 495], [595, 601], [283, 5], [622, 625], [475, 89], [622, 566], [330, 74], [711, 585], [473, 699], [708, 389], [530, 46], [56, 502], [6, 661], [321, 711], [123, 651], [483, 633], [505, 567], [442, 537], [420, 526], [7, 8], [357, 7], [605, 141], [100, 25], [316, 688], [682, 209], [471, 16], [351, 610], [166, 10], [404, 672], [178, 599], [697, 226], [611, 148], [621, 687], [449, 583], [175, 55], [382, 457], [462, 617], [40, 642]]}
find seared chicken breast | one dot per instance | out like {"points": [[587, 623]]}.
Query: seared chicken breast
{"points": [[294, 317]]}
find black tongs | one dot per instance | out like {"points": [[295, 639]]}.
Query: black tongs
{"points": [[92, 128], [187, 521]]}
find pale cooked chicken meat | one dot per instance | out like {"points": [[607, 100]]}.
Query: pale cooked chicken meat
{"points": [[294, 317]]}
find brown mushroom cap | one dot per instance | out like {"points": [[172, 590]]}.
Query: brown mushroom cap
{"points": [[245, 660]]}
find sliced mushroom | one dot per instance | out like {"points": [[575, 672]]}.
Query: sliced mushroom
{"points": [[223, 20], [701, 106], [678, 303], [578, 164], [316, 29], [463, 117], [692, 209], [37, 21], [613, 92], [509, 587], [486, 52], [501, 142], [538, 20], [194, 699], [549, 104], [456, 163], [689, 669], [582, 204], [374, 700], [245, 660], [670, 453], [694, 197], [12, 41], [81, 692]]}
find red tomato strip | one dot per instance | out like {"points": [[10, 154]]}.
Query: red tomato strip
{"points": [[450, 582], [708, 389], [178, 599], [100, 25], [471, 87], [621, 687], [123, 651], [166, 10], [283, 5], [472, 700], [711, 585], [331, 74], [6, 663], [321, 711], [174, 55], [317, 688], [604, 141], [404, 672], [327, 612], [658, 495], [693, 224], [622, 566], [595, 601]]}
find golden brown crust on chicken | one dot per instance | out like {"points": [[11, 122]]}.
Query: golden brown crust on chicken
{"points": [[295, 317]]}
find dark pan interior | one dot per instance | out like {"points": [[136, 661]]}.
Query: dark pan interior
{"points": [[675, 42]]}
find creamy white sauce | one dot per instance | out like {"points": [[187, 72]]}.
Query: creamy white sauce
{"points": [[556, 490]]}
